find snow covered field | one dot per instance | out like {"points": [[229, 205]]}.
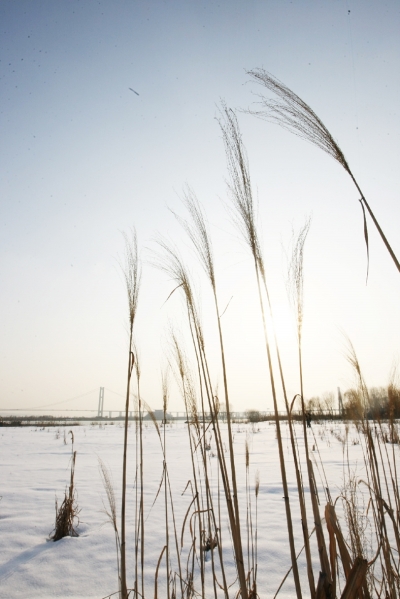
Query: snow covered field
{"points": [[34, 469]]}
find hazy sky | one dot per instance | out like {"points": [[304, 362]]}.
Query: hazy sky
{"points": [[84, 158]]}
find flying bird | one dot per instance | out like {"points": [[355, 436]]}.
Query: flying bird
{"points": [[132, 90]]}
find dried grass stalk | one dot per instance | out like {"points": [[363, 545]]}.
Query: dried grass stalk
{"points": [[111, 512], [131, 272], [245, 218], [356, 579]]}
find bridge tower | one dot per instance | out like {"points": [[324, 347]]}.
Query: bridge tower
{"points": [[101, 403], [341, 410]]}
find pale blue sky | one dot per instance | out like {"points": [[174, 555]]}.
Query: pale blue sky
{"points": [[83, 158]]}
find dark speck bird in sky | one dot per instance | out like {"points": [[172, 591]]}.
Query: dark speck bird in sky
{"points": [[132, 90]]}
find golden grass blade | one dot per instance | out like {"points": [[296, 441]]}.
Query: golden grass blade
{"points": [[185, 518], [356, 579], [156, 574], [365, 236], [333, 528], [325, 567]]}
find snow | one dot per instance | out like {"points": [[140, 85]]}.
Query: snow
{"points": [[35, 469]]}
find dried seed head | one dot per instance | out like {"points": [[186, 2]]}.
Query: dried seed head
{"points": [[295, 282], [244, 213], [197, 231], [165, 389], [131, 272], [292, 113]]}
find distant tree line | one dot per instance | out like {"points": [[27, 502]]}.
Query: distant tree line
{"points": [[373, 403], [378, 403]]}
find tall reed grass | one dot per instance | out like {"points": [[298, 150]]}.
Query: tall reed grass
{"points": [[131, 271], [216, 525]]}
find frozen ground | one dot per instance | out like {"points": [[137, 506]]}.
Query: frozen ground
{"points": [[34, 469]]}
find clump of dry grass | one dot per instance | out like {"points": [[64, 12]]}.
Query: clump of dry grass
{"points": [[380, 483], [67, 519]]}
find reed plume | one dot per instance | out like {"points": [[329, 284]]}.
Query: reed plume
{"points": [[292, 113], [295, 283]]}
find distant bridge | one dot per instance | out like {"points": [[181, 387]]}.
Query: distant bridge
{"points": [[133, 415], [253, 415]]}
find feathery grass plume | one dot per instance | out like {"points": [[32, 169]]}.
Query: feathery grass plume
{"points": [[295, 287], [67, 514], [131, 271], [198, 233], [111, 511], [132, 275], [170, 262], [295, 282], [292, 113], [361, 396], [243, 205], [239, 185]]}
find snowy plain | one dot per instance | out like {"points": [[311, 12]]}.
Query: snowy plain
{"points": [[35, 468]]}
